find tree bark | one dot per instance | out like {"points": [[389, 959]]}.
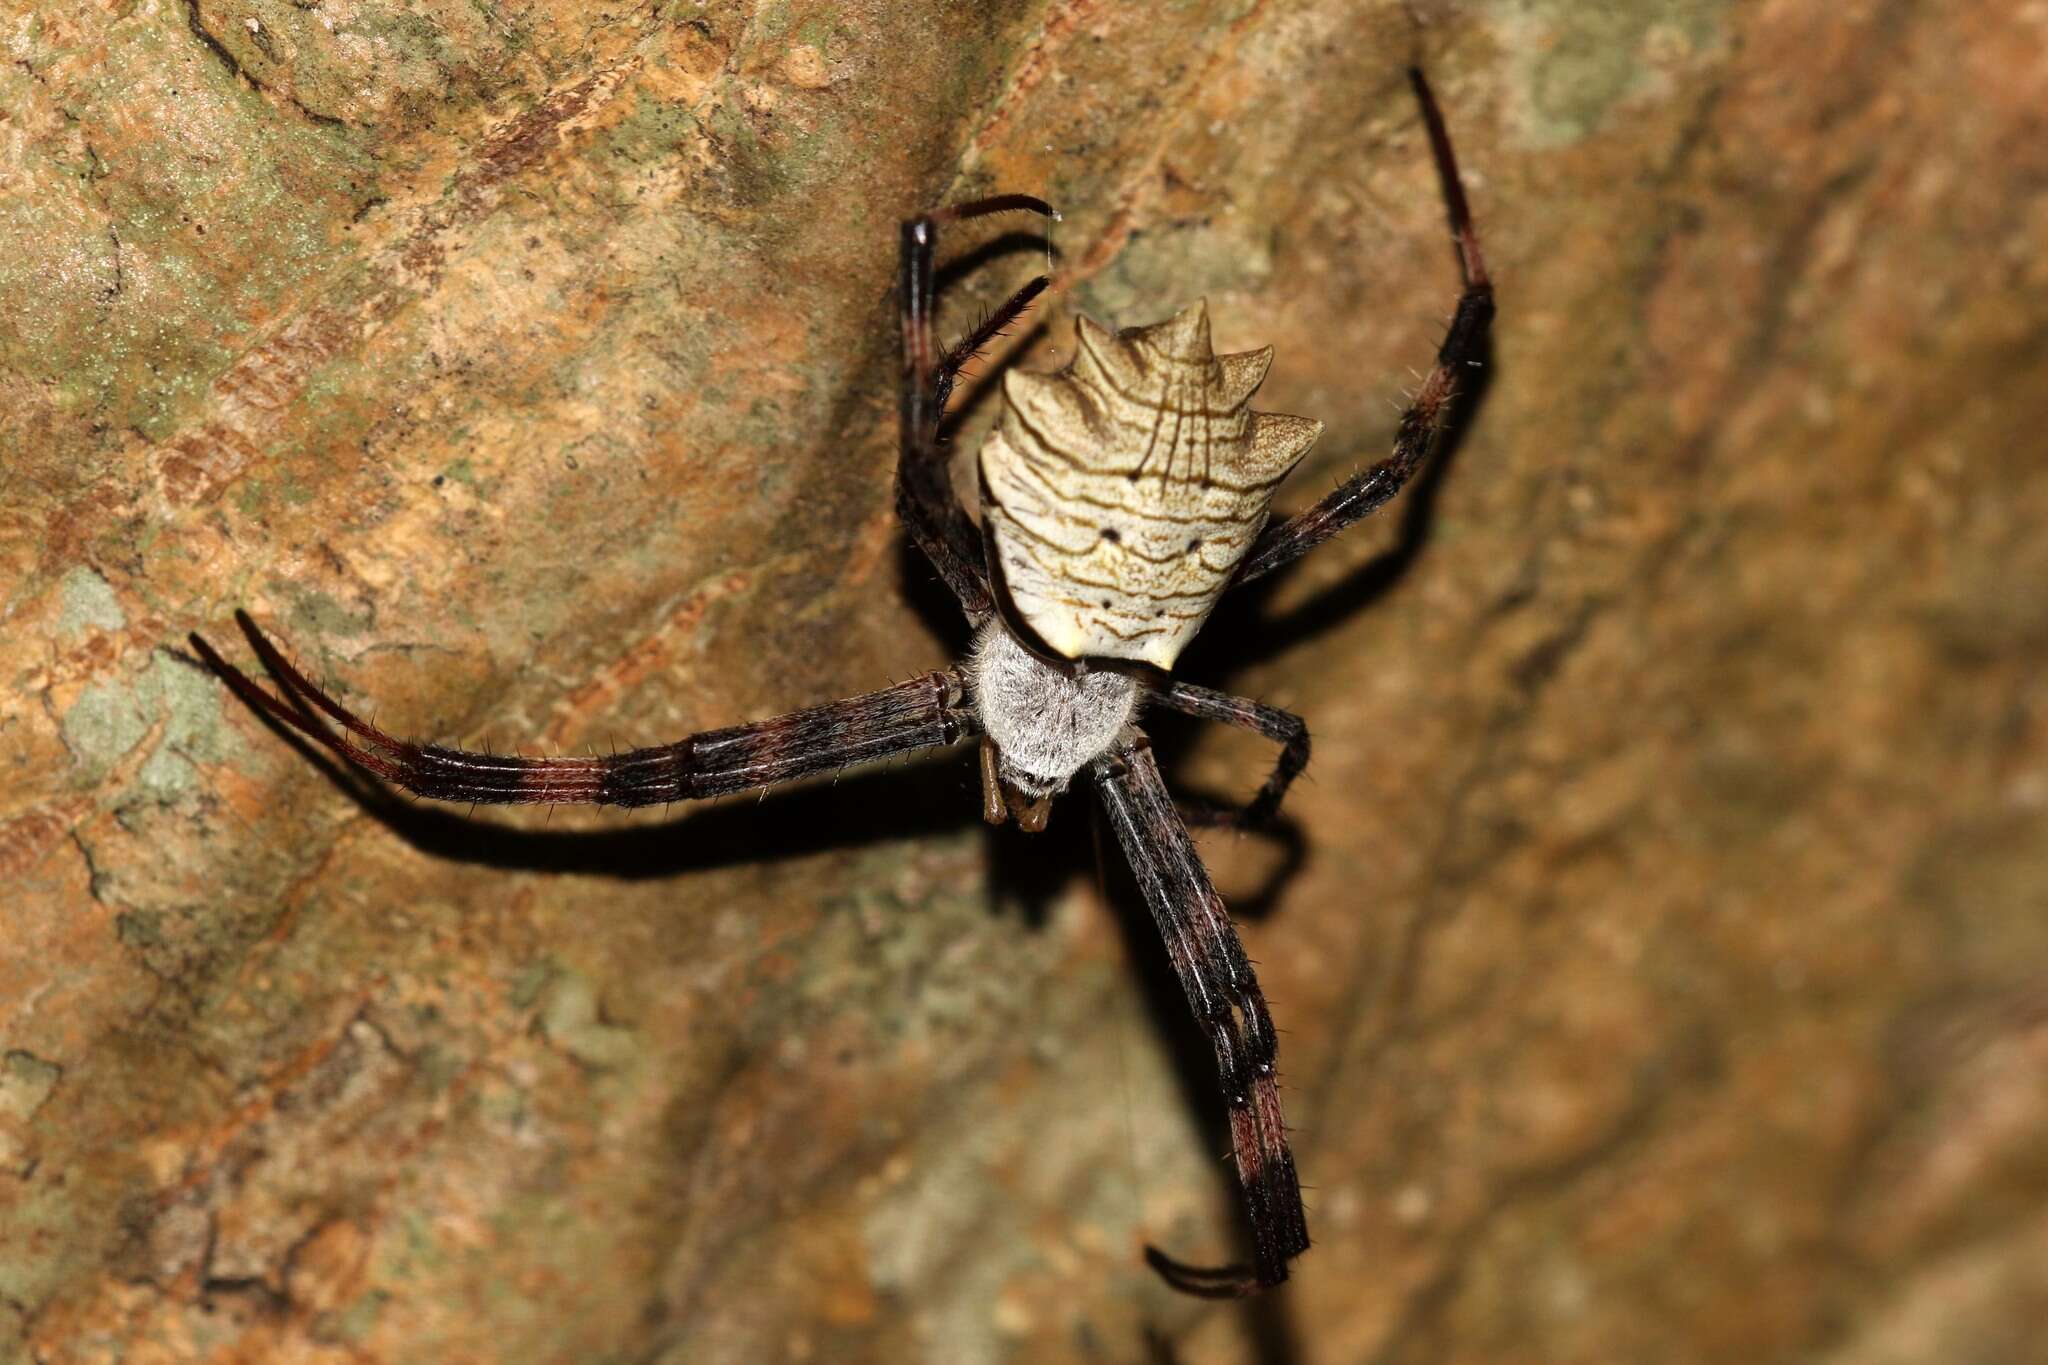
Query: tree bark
{"points": [[1660, 940]]}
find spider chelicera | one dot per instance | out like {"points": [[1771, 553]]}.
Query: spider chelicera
{"points": [[1121, 497]]}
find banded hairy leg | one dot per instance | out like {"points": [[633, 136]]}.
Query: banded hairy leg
{"points": [[925, 501], [1216, 976], [1422, 425], [925, 712]]}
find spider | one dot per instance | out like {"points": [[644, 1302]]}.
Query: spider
{"points": [[1121, 497]]}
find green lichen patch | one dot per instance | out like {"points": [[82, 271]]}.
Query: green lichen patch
{"points": [[87, 602], [103, 725], [1575, 64], [111, 717]]}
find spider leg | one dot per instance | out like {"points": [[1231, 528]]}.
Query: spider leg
{"points": [[1216, 976], [925, 501], [1423, 423], [997, 322], [1283, 727], [924, 712]]}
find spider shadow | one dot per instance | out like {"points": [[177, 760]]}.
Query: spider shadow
{"points": [[904, 800], [1007, 243]]}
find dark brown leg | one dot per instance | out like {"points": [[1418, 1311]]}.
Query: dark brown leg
{"points": [[924, 491], [921, 713], [1423, 423], [1284, 728], [1203, 947]]}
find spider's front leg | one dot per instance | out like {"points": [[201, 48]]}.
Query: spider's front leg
{"points": [[1284, 728], [1422, 424], [925, 712], [1216, 976], [925, 501]]}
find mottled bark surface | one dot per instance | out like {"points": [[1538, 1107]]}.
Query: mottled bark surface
{"points": [[1665, 973]]}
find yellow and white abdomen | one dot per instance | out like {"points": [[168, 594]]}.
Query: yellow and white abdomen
{"points": [[1120, 493]]}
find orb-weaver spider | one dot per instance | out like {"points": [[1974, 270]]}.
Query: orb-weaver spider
{"points": [[1121, 497]]}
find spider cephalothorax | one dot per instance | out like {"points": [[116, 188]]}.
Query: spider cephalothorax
{"points": [[1041, 723], [1121, 498]]}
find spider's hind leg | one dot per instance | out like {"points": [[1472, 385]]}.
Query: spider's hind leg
{"points": [[924, 491]]}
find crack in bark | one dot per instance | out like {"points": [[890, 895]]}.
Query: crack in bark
{"points": [[113, 291], [95, 879]]}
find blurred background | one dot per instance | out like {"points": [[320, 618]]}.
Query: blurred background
{"points": [[1660, 939]]}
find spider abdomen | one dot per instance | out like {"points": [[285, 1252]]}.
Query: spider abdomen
{"points": [[1121, 493]]}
